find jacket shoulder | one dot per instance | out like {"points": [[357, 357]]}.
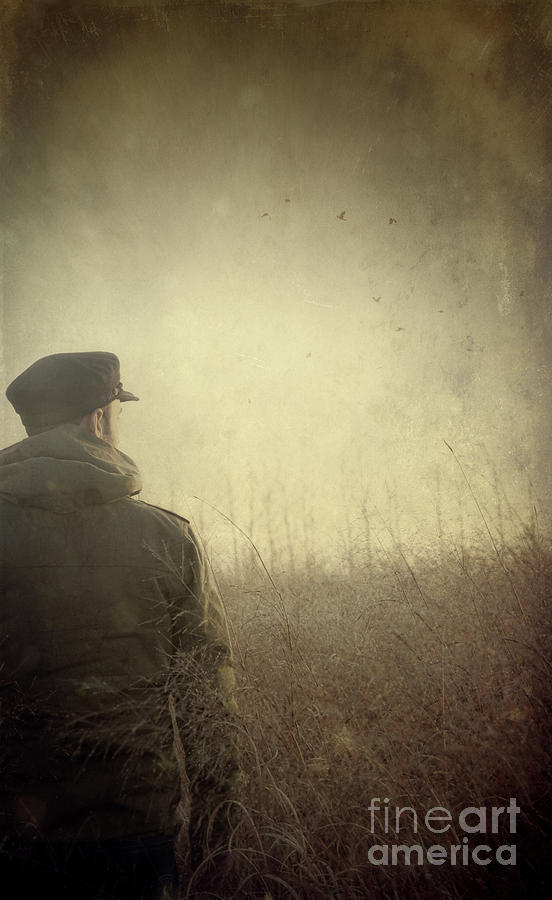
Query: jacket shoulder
{"points": [[169, 512]]}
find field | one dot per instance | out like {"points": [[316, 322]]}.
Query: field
{"points": [[422, 682]]}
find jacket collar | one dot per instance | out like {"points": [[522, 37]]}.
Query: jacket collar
{"points": [[64, 469]]}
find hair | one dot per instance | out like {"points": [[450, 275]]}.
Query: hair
{"points": [[39, 429]]}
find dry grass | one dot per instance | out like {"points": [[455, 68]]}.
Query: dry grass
{"points": [[424, 683]]}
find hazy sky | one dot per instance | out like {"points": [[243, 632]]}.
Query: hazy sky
{"points": [[316, 236]]}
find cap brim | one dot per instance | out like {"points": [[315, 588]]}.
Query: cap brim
{"points": [[126, 395]]}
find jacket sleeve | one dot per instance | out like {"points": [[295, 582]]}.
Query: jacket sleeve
{"points": [[203, 706]]}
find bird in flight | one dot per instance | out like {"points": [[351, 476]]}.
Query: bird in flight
{"points": [[341, 216]]}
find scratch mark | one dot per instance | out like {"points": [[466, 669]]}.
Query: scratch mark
{"points": [[420, 259], [316, 303], [255, 359], [484, 50]]}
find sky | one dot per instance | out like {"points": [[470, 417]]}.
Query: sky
{"points": [[317, 237]]}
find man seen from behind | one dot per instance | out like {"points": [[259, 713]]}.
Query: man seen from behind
{"points": [[115, 664]]}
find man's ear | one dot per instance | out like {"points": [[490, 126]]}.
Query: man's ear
{"points": [[93, 422]]}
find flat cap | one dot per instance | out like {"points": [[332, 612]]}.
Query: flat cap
{"points": [[64, 386]]}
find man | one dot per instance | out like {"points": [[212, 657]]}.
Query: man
{"points": [[115, 667]]}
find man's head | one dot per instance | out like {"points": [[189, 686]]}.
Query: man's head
{"points": [[82, 388], [104, 422]]}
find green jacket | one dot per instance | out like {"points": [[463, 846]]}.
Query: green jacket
{"points": [[114, 651]]}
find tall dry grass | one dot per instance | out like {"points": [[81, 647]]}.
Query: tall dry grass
{"points": [[426, 682]]}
